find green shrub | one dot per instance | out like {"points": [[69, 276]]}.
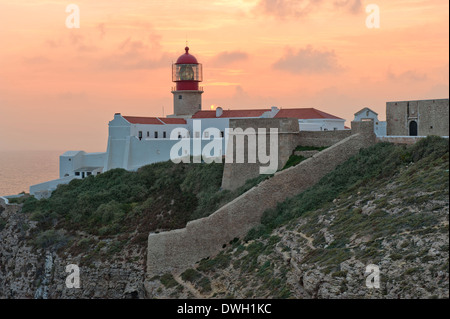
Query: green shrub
{"points": [[168, 281], [158, 196], [381, 160], [51, 239], [191, 275], [3, 223], [293, 160]]}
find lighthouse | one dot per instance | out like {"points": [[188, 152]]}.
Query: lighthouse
{"points": [[187, 94]]}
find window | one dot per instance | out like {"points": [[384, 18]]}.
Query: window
{"points": [[221, 133], [77, 173], [148, 134], [70, 159], [88, 173], [179, 135], [156, 134], [206, 134], [180, 97], [140, 135], [164, 134]]}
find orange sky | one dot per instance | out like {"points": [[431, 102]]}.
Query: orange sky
{"points": [[59, 87]]}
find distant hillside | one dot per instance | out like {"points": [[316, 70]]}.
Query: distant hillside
{"points": [[386, 206]]}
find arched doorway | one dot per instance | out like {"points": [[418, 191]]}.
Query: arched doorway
{"points": [[413, 128]]}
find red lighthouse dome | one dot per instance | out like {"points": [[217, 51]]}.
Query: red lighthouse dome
{"points": [[187, 58], [187, 72]]}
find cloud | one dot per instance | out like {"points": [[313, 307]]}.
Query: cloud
{"points": [[308, 60], [101, 28], [226, 58], [39, 59], [130, 45], [69, 95], [240, 93], [352, 6], [133, 56], [409, 75], [287, 8], [301, 8], [53, 43], [124, 62]]}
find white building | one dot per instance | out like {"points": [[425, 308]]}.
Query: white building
{"points": [[367, 114], [137, 141]]}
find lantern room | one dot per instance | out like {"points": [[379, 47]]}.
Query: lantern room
{"points": [[187, 72]]}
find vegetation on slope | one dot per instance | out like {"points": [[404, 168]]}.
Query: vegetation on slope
{"points": [[388, 206], [295, 159], [160, 196], [370, 168]]}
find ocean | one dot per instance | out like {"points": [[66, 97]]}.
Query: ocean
{"points": [[20, 169]]}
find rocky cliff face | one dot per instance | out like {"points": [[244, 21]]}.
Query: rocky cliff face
{"points": [[398, 223], [298, 261], [108, 268]]}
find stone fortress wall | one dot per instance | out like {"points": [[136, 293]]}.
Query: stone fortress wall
{"points": [[236, 174], [431, 116], [179, 249]]}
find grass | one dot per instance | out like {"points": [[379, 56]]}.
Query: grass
{"points": [[296, 159], [160, 196], [370, 167], [168, 281], [309, 148]]}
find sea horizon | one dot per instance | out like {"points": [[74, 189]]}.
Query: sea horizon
{"points": [[19, 169]]}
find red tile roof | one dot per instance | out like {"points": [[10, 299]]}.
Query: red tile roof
{"points": [[299, 113], [305, 113], [153, 120], [172, 120], [229, 113], [143, 120]]}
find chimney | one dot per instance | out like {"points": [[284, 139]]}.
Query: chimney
{"points": [[219, 111], [273, 111]]}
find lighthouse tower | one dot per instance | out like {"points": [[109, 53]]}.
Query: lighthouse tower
{"points": [[187, 94]]}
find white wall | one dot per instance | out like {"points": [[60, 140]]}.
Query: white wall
{"points": [[70, 161], [49, 186], [93, 159], [321, 124]]}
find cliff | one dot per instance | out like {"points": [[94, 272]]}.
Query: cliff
{"points": [[387, 206]]}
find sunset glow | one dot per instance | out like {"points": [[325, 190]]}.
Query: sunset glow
{"points": [[59, 87]]}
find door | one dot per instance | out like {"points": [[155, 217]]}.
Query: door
{"points": [[413, 128]]}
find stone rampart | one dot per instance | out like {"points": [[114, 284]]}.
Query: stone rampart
{"points": [[182, 248]]}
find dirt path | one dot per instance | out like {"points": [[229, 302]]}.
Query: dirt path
{"points": [[309, 240]]}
